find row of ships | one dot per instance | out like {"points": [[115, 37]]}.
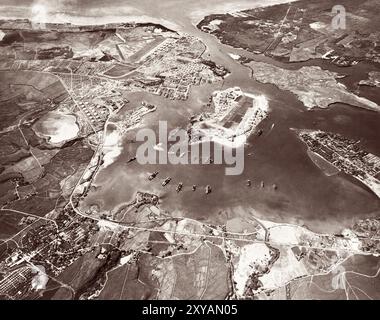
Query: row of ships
{"points": [[179, 186]]}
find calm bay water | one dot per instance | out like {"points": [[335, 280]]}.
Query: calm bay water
{"points": [[304, 195]]}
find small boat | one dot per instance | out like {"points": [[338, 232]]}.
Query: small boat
{"points": [[249, 183], [153, 175], [166, 181], [179, 187], [194, 187], [208, 189], [131, 159]]}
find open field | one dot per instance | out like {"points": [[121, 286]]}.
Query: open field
{"points": [[301, 30]]}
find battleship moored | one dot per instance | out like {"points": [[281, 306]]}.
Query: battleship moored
{"points": [[179, 187], [166, 181], [153, 175], [131, 159]]}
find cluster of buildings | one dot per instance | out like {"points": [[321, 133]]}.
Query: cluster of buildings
{"points": [[42, 244], [346, 155], [176, 86], [134, 117], [13, 284], [173, 92], [96, 114], [45, 244], [369, 231], [340, 60], [225, 101], [236, 114], [176, 64], [253, 116], [97, 98], [159, 51], [169, 67]]}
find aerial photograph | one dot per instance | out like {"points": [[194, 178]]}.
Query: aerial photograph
{"points": [[189, 150]]}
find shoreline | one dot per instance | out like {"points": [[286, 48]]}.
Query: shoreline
{"points": [[194, 16], [251, 6], [147, 19]]}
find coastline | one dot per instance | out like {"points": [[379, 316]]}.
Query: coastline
{"points": [[139, 14], [148, 19], [111, 225], [228, 8]]}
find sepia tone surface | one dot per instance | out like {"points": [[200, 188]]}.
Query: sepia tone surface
{"points": [[82, 218]]}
